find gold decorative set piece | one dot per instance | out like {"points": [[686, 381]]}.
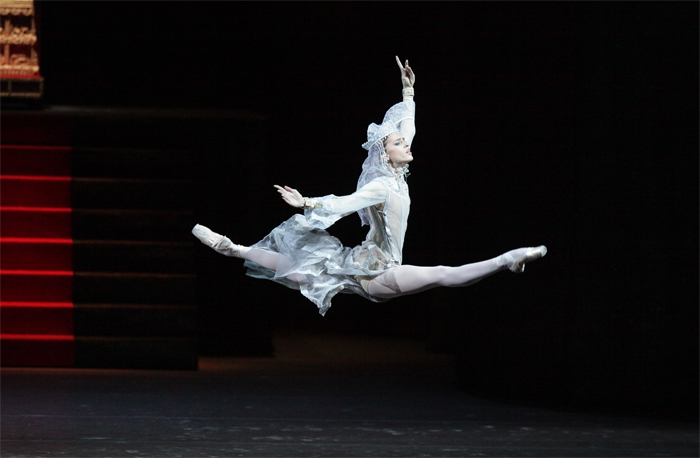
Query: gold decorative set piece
{"points": [[19, 58]]}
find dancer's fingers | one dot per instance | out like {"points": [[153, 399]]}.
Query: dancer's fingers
{"points": [[398, 61], [284, 191]]}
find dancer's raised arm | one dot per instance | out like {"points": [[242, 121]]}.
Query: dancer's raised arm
{"points": [[407, 126], [408, 78]]}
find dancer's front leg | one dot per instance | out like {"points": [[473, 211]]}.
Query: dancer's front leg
{"points": [[409, 279]]}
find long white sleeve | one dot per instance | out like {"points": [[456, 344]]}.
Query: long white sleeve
{"points": [[329, 209], [408, 129], [403, 114]]}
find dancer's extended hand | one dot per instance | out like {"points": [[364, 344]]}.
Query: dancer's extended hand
{"points": [[408, 78], [291, 196]]}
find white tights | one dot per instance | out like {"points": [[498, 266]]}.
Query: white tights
{"points": [[396, 282], [406, 279], [267, 259], [409, 279]]}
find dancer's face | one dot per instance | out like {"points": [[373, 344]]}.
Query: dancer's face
{"points": [[398, 150]]}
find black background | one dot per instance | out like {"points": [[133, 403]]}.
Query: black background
{"points": [[573, 125]]}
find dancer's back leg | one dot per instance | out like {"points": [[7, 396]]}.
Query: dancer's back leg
{"points": [[267, 259]]}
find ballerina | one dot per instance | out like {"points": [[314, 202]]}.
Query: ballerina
{"points": [[302, 255]]}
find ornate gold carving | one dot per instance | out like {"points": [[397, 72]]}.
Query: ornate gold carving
{"points": [[16, 11], [19, 64], [18, 56], [17, 36], [17, 8]]}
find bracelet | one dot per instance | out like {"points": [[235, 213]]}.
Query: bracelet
{"points": [[408, 91], [311, 204]]}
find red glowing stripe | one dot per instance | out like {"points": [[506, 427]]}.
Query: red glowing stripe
{"points": [[58, 273], [36, 209], [37, 240], [38, 147], [55, 305], [33, 178], [64, 338]]}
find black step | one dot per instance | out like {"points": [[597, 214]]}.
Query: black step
{"points": [[122, 193], [131, 163], [133, 288], [161, 128], [136, 353], [134, 320], [133, 256], [156, 225]]}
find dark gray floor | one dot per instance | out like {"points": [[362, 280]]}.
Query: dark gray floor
{"points": [[321, 396]]}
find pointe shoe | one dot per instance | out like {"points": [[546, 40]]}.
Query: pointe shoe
{"points": [[532, 254], [219, 243], [206, 235]]}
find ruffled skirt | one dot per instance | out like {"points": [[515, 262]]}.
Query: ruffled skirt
{"points": [[317, 264]]}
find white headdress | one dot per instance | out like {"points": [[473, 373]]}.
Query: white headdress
{"points": [[377, 163]]}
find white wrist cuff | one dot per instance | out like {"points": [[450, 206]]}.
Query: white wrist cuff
{"points": [[310, 203]]}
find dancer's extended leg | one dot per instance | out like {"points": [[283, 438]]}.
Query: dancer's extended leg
{"points": [[222, 244], [409, 279]]}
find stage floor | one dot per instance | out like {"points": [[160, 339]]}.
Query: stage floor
{"points": [[325, 396]]}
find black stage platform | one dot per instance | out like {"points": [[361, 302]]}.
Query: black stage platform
{"points": [[320, 396]]}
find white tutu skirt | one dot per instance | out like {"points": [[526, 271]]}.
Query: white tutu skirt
{"points": [[317, 264]]}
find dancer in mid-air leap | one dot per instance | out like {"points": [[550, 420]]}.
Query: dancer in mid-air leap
{"points": [[300, 254]]}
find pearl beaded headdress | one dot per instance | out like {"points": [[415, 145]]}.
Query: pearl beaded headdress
{"points": [[377, 133]]}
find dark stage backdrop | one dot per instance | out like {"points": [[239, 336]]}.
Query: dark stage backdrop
{"points": [[573, 125]]}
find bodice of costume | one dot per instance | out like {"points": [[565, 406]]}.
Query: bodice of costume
{"points": [[389, 220]]}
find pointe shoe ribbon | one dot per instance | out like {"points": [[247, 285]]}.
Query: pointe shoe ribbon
{"points": [[532, 254]]}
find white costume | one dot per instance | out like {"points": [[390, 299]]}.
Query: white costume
{"points": [[300, 254], [329, 267]]}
